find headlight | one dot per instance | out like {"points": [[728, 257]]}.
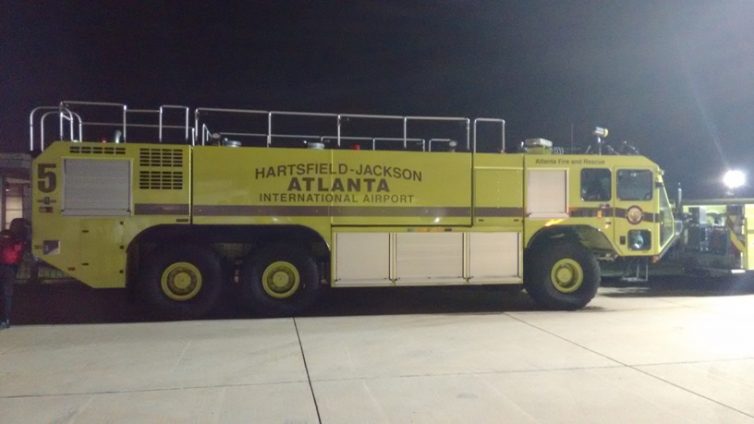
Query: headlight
{"points": [[639, 240], [634, 215]]}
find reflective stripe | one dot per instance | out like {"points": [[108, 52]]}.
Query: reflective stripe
{"points": [[607, 212], [248, 210], [499, 212], [161, 209], [590, 212], [243, 210]]}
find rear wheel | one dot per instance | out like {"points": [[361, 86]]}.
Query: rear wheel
{"points": [[182, 281], [281, 279], [563, 275]]}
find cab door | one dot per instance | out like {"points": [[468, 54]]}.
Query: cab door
{"points": [[596, 198], [635, 211]]}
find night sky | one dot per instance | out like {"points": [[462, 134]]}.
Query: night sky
{"points": [[675, 78]]}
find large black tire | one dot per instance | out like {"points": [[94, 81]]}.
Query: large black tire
{"points": [[181, 281], [281, 279], [561, 275]]}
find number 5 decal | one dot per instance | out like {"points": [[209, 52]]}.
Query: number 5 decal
{"points": [[47, 178]]}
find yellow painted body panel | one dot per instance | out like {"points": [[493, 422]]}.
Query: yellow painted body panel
{"points": [[93, 249], [499, 194], [318, 188]]}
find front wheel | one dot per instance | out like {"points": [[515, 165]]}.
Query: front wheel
{"points": [[281, 279], [562, 275], [182, 281]]}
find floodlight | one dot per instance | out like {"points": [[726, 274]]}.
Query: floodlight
{"points": [[734, 179], [600, 132]]}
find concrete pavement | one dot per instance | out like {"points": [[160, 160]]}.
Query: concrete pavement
{"points": [[631, 356]]}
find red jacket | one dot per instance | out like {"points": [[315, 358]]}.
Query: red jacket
{"points": [[11, 249]]}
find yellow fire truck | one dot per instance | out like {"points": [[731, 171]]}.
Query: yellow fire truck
{"points": [[718, 237], [284, 203]]}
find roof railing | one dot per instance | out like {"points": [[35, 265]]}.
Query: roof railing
{"points": [[69, 104], [268, 126], [499, 121], [404, 121]]}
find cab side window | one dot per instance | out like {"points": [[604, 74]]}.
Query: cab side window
{"points": [[634, 184], [595, 184]]}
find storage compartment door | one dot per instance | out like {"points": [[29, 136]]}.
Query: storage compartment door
{"points": [[547, 193], [494, 257], [362, 259], [429, 258]]}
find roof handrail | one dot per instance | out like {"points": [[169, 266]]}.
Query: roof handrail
{"points": [[253, 125], [67, 103], [491, 120]]}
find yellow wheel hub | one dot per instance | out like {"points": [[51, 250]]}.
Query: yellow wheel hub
{"points": [[181, 281], [567, 276], [281, 280]]}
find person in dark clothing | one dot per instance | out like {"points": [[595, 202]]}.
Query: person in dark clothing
{"points": [[12, 243]]}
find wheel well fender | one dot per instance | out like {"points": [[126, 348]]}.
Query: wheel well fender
{"points": [[589, 237]]}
